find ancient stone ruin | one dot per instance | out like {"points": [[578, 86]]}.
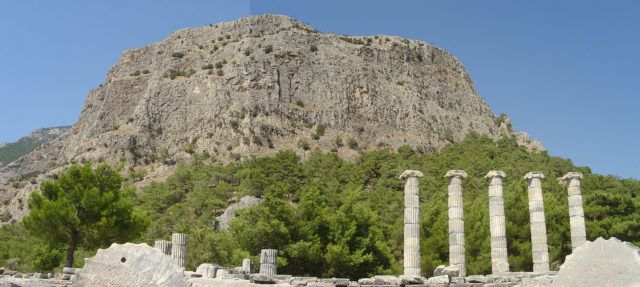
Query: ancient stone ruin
{"points": [[617, 263]]}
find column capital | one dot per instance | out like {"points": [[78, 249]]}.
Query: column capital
{"points": [[534, 174], [571, 175], [456, 173], [495, 173], [411, 173]]}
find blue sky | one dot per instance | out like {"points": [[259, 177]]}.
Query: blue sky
{"points": [[566, 72]]}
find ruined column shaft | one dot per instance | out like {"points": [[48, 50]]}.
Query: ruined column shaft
{"points": [[411, 223], [456, 221], [539, 245], [576, 211], [268, 258], [179, 249], [163, 245], [499, 255]]}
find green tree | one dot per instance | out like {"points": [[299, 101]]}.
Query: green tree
{"points": [[84, 208]]}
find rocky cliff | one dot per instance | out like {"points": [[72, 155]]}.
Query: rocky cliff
{"points": [[264, 83]]}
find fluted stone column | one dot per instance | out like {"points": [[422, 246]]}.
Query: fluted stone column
{"points": [[456, 220], [179, 249], [163, 245], [411, 223], [247, 265], [538, 227], [268, 259], [499, 259], [576, 212]]}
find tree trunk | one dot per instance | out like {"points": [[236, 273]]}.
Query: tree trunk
{"points": [[70, 251]]}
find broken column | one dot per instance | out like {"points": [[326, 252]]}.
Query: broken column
{"points": [[499, 259], [163, 245], [538, 227], [411, 223], [576, 212], [268, 259], [456, 220], [179, 249], [247, 265]]}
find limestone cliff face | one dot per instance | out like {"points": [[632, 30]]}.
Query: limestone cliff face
{"points": [[271, 82]]}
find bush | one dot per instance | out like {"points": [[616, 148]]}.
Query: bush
{"points": [[146, 72], [234, 124], [320, 130], [207, 67], [177, 55], [220, 73], [268, 49], [313, 48], [247, 52], [134, 74], [303, 144], [227, 36], [299, 103], [338, 141], [352, 143], [219, 65]]}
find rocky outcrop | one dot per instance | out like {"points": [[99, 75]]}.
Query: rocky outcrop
{"points": [[264, 83], [222, 222]]}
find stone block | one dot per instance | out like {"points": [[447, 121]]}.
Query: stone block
{"points": [[575, 200], [576, 211], [207, 270], [10, 272], [66, 276], [456, 238], [477, 279], [456, 213], [442, 279], [338, 282], [451, 271], [438, 270], [69, 270], [262, 279], [15, 275]]}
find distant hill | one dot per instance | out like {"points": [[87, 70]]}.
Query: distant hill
{"points": [[12, 151]]}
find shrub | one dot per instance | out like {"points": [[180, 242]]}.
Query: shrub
{"points": [[219, 65], [303, 144], [320, 130], [227, 36], [191, 72], [234, 124], [215, 47], [134, 74], [299, 103], [220, 73], [352, 143], [146, 72], [220, 38], [247, 52], [338, 141], [129, 120], [207, 67], [200, 47], [419, 56], [177, 54], [313, 48], [268, 49]]}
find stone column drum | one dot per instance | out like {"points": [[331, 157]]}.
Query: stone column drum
{"points": [[163, 245], [268, 259], [247, 265], [538, 226], [179, 249], [576, 211], [411, 223], [456, 221], [499, 259]]}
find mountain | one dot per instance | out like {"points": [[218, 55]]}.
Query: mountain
{"points": [[12, 151], [261, 84]]}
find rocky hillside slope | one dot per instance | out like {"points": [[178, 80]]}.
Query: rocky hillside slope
{"points": [[260, 84], [12, 151]]}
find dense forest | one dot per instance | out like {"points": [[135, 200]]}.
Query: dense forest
{"points": [[334, 218]]}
